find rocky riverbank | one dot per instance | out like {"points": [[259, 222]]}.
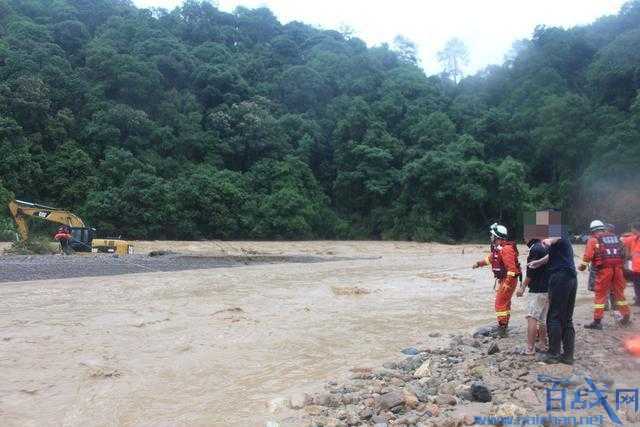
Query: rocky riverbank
{"points": [[448, 381]]}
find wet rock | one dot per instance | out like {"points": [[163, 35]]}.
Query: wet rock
{"points": [[410, 399], [334, 422], [485, 331], [412, 363], [352, 418], [527, 396], [446, 399], [299, 400], [366, 414], [424, 370], [362, 376], [509, 410], [390, 365], [477, 372], [407, 420], [411, 351], [493, 348], [314, 410], [448, 388], [604, 379], [379, 419], [419, 390], [278, 404], [519, 373], [397, 382], [391, 400], [429, 410], [463, 391], [326, 399], [480, 392]]}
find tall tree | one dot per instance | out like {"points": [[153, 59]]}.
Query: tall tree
{"points": [[454, 57]]}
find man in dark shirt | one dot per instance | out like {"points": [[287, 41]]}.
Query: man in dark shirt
{"points": [[562, 299], [538, 299]]}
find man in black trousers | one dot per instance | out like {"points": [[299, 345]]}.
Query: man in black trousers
{"points": [[563, 285]]}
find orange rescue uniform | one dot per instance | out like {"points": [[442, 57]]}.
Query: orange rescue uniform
{"points": [[632, 243], [603, 251], [506, 268]]}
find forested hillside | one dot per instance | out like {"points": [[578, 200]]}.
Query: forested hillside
{"points": [[195, 123]]}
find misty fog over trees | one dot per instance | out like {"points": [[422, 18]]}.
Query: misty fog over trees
{"points": [[196, 123]]}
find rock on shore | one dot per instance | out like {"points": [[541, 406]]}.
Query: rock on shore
{"points": [[446, 382]]}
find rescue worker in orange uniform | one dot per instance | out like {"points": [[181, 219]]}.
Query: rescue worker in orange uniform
{"points": [[604, 252], [631, 243], [504, 263], [63, 236]]}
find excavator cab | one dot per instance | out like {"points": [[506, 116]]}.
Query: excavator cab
{"points": [[81, 238]]}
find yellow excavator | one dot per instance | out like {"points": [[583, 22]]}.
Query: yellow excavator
{"points": [[81, 236]]}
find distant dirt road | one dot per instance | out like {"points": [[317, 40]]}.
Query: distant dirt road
{"points": [[20, 268]]}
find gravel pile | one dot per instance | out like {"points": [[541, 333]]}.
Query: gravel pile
{"points": [[18, 268]]}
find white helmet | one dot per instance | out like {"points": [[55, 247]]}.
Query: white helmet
{"points": [[597, 225], [499, 231]]}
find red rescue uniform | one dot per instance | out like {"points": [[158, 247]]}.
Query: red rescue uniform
{"points": [[604, 252], [503, 260]]}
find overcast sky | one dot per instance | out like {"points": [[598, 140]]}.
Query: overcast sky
{"points": [[488, 27]]}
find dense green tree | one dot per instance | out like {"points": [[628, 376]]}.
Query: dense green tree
{"points": [[199, 123]]}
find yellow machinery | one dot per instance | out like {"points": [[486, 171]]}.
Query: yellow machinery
{"points": [[81, 236]]}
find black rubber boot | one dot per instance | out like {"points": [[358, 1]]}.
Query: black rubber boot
{"points": [[596, 324], [550, 359], [626, 321], [567, 360], [502, 331]]}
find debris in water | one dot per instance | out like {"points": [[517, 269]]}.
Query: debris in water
{"points": [[349, 290], [160, 253], [229, 310]]}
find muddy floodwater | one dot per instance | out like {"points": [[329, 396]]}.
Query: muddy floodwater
{"points": [[213, 346]]}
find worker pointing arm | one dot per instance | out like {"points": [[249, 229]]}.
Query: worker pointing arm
{"points": [[506, 270], [483, 263]]}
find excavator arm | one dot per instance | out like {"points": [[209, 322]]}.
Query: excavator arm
{"points": [[20, 211]]}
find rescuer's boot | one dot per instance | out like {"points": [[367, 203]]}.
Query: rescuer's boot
{"points": [[502, 331], [626, 321], [596, 324]]}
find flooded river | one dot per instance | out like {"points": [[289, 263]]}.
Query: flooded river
{"points": [[212, 347]]}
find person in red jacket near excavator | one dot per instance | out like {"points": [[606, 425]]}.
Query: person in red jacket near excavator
{"points": [[504, 263], [605, 253]]}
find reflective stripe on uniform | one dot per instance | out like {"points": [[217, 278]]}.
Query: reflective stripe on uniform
{"points": [[512, 274], [596, 306], [503, 313], [621, 303]]}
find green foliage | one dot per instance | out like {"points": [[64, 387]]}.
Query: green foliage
{"points": [[33, 246], [197, 123]]}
